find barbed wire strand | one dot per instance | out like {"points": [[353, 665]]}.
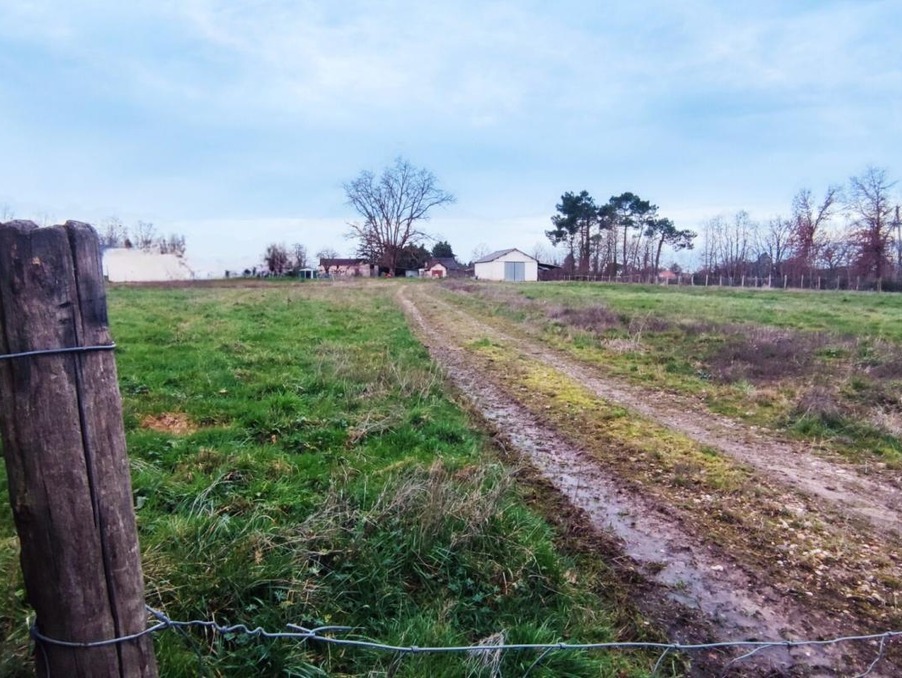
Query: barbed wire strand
{"points": [[876, 661], [56, 351], [302, 633]]}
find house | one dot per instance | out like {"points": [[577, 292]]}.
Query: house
{"points": [[511, 265], [444, 267], [347, 268]]}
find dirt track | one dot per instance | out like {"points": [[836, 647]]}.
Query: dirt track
{"points": [[734, 594]]}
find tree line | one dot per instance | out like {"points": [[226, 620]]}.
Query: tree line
{"points": [[142, 236], [112, 233], [281, 259], [850, 230]]}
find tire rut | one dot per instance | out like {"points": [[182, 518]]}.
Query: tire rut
{"points": [[694, 573], [836, 486]]}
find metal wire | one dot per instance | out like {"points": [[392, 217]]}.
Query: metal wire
{"points": [[302, 633], [56, 351]]}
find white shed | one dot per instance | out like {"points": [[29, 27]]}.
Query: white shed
{"points": [[511, 265], [134, 265]]}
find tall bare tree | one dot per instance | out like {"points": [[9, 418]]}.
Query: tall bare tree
{"points": [[298, 256], [871, 212], [392, 207], [729, 244], [809, 218], [775, 243]]}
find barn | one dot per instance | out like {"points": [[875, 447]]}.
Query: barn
{"points": [[511, 265]]}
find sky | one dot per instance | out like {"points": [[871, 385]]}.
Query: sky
{"points": [[237, 122]]}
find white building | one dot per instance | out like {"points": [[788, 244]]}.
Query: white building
{"points": [[134, 265], [511, 265]]}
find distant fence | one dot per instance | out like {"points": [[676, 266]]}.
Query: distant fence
{"points": [[810, 282]]}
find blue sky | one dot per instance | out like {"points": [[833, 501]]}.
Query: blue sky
{"points": [[236, 122]]}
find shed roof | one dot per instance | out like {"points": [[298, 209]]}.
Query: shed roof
{"points": [[500, 253], [450, 263]]}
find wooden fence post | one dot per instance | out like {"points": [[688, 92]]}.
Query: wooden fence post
{"points": [[64, 445]]}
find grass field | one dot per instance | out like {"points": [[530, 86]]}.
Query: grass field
{"points": [[823, 366], [296, 458]]}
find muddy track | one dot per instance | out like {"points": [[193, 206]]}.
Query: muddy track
{"points": [[833, 484], [692, 572]]}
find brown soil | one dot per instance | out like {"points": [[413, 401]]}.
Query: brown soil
{"points": [[710, 585], [175, 423]]}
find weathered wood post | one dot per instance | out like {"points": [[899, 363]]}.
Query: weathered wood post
{"points": [[64, 445]]}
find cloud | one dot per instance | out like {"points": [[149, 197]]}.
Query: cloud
{"points": [[223, 110]]}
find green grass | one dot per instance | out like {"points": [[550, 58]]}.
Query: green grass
{"points": [[296, 459], [854, 314], [822, 366]]}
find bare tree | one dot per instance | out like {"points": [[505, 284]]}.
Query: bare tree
{"points": [[775, 243], [728, 244], [545, 255], [809, 218], [871, 212], [480, 251], [174, 244], [6, 212], [838, 250], [112, 232], [144, 236], [392, 207], [298, 256], [327, 253], [276, 258]]}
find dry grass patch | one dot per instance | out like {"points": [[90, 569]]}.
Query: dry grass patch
{"points": [[173, 423]]}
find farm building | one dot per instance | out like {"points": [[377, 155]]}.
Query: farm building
{"points": [[347, 268], [444, 267], [511, 265], [121, 264]]}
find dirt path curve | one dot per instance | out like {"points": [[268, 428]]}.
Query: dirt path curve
{"points": [[694, 573], [836, 485]]}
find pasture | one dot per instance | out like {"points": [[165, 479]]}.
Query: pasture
{"points": [[299, 458], [296, 458]]}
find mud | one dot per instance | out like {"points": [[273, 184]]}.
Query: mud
{"points": [[829, 481], [688, 571]]}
